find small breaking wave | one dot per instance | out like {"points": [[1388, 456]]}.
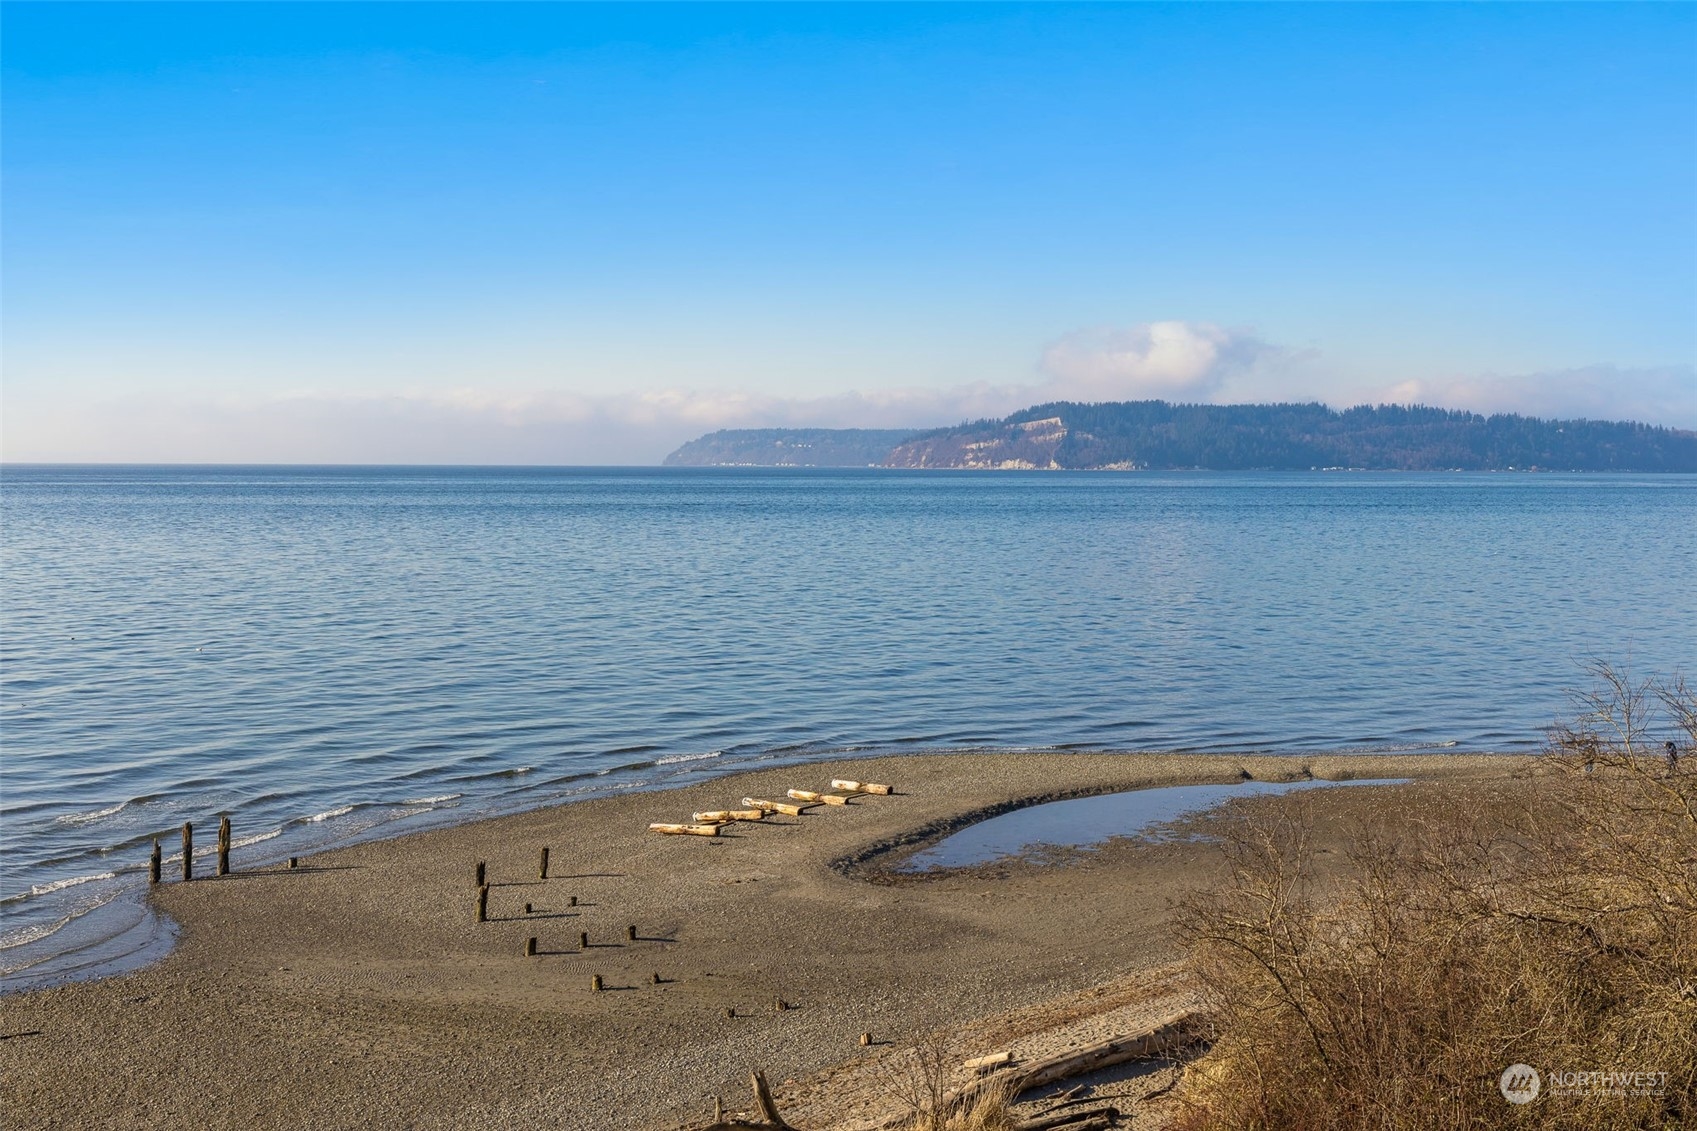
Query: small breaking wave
{"points": [[89, 818], [70, 882], [432, 800], [676, 758], [327, 815]]}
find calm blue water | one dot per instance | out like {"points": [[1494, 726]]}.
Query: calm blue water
{"points": [[332, 653]]}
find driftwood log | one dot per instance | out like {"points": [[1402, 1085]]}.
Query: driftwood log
{"points": [[818, 798], [723, 816], [684, 830], [861, 787], [769, 1119], [1177, 1031], [776, 806]]}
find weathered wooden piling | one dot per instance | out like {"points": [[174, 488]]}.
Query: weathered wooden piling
{"points": [[527, 909], [583, 940], [188, 850], [223, 846], [571, 901], [154, 862], [294, 861], [654, 978], [630, 932], [542, 864], [482, 874], [865, 1040], [595, 983], [530, 947], [780, 1005], [483, 904]]}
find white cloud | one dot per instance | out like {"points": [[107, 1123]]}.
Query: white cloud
{"points": [[1152, 360], [1664, 395]]}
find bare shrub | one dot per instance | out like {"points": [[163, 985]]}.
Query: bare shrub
{"points": [[924, 1079], [1553, 924]]}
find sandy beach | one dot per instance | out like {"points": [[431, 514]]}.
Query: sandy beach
{"points": [[359, 991]]}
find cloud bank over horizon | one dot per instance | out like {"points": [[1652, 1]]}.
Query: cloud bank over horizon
{"points": [[1167, 360]]}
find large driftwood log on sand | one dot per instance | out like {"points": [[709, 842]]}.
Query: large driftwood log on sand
{"points": [[861, 787], [825, 798], [684, 830], [725, 816], [776, 806], [1175, 1032]]}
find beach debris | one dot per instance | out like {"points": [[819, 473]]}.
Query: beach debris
{"points": [[861, 787], [571, 901], [530, 947], [684, 830], [866, 1040], [1177, 1031], [726, 816], [776, 806], [1088, 1119], [483, 904], [654, 978], [595, 983], [223, 846], [818, 798], [769, 1119], [482, 874], [188, 851], [154, 862], [630, 932], [583, 940], [294, 862], [542, 864], [994, 1060]]}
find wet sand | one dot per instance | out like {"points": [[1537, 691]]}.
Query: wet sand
{"points": [[358, 991]]}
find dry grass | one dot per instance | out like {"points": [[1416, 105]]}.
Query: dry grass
{"points": [[929, 1081], [1552, 923]]}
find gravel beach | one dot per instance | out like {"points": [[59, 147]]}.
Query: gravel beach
{"points": [[359, 991]]}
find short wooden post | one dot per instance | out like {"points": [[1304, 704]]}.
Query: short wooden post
{"points": [[482, 874], [572, 902], [731, 1011], [542, 864], [718, 1110], [223, 846], [188, 850], [154, 862], [483, 904], [294, 861], [595, 983], [865, 1040], [527, 909], [654, 978], [630, 932], [530, 947], [583, 940], [782, 1005]]}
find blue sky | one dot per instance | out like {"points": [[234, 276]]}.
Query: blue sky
{"points": [[581, 234]]}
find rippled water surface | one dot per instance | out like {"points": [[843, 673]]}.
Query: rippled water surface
{"points": [[329, 653]]}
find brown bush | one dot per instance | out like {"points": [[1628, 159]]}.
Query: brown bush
{"points": [[1552, 923]]}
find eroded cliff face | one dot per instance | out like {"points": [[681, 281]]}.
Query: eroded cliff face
{"points": [[1046, 444]]}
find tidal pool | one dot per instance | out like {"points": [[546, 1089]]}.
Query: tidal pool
{"points": [[1079, 822]]}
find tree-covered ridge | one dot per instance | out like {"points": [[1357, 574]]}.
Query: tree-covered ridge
{"points": [[1158, 435], [790, 447]]}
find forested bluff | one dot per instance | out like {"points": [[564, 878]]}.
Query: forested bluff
{"points": [[1156, 435]]}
